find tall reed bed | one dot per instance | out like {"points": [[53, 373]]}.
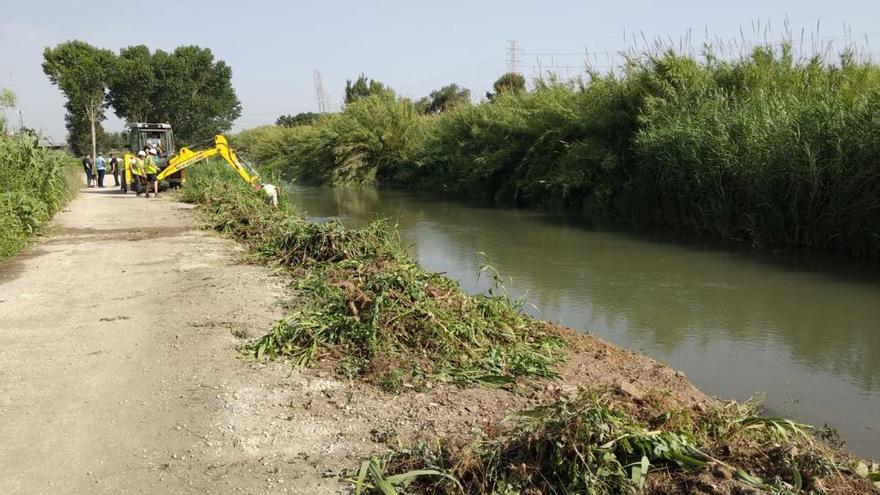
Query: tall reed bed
{"points": [[34, 184], [772, 150]]}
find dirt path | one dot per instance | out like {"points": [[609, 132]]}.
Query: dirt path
{"points": [[117, 349], [119, 370]]}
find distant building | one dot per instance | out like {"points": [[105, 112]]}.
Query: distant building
{"points": [[45, 142]]}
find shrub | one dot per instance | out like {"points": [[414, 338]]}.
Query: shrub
{"points": [[35, 183]]}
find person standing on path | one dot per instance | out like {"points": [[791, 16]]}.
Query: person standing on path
{"points": [[87, 166], [101, 167], [114, 169], [137, 170], [151, 170]]}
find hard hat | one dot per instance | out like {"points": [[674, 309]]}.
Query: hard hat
{"points": [[152, 151], [141, 153]]}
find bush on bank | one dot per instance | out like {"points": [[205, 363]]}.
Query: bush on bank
{"points": [[766, 149], [34, 184]]}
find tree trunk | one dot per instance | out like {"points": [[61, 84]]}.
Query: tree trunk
{"points": [[92, 114], [94, 144]]}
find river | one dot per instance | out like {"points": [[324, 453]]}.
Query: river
{"points": [[802, 332]]}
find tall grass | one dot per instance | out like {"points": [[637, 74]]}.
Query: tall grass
{"points": [[767, 149], [34, 184]]}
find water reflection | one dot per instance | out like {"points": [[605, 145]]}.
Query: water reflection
{"points": [[806, 332]]}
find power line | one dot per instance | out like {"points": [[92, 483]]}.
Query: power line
{"points": [[433, 79], [491, 74]]}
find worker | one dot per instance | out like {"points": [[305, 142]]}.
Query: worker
{"points": [[101, 168], [137, 170], [114, 169], [87, 166], [153, 141], [270, 192], [151, 170]]}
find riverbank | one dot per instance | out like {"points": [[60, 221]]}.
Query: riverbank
{"points": [[651, 416], [739, 323], [766, 150]]}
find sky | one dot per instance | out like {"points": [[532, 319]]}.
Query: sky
{"points": [[274, 46]]}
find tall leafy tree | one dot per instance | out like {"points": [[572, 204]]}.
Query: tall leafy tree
{"points": [[81, 72], [363, 87], [194, 92], [186, 87], [132, 84]]}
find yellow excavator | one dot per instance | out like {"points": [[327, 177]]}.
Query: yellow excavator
{"points": [[172, 166]]}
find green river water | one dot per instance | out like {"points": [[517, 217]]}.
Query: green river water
{"points": [[803, 332]]}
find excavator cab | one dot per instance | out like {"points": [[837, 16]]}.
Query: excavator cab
{"points": [[157, 136]]}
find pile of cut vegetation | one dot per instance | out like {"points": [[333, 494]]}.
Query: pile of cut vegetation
{"points": [[602, 444], [362, 304]]}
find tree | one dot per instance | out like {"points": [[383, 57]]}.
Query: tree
{"points": [[445, 98], [81, 72], [79, 133], [186, 88], [363, 87], [197, 93], [113, 141], [422, 105], [132, 84], [79, 139], [304, 118], [510, 81]]}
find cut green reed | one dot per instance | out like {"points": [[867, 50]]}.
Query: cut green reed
{"points": [[588, 444], [361, 302]]}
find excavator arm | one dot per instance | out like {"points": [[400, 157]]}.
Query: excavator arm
{"points": [[187, 157]]}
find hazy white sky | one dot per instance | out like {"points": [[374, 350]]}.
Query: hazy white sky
{"points": [[274, 46]]}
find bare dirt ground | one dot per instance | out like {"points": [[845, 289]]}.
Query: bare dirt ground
{"points": [[120, 370]]}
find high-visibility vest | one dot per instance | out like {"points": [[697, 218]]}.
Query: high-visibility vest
{"points": [[137, 167], [150, 165]]}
